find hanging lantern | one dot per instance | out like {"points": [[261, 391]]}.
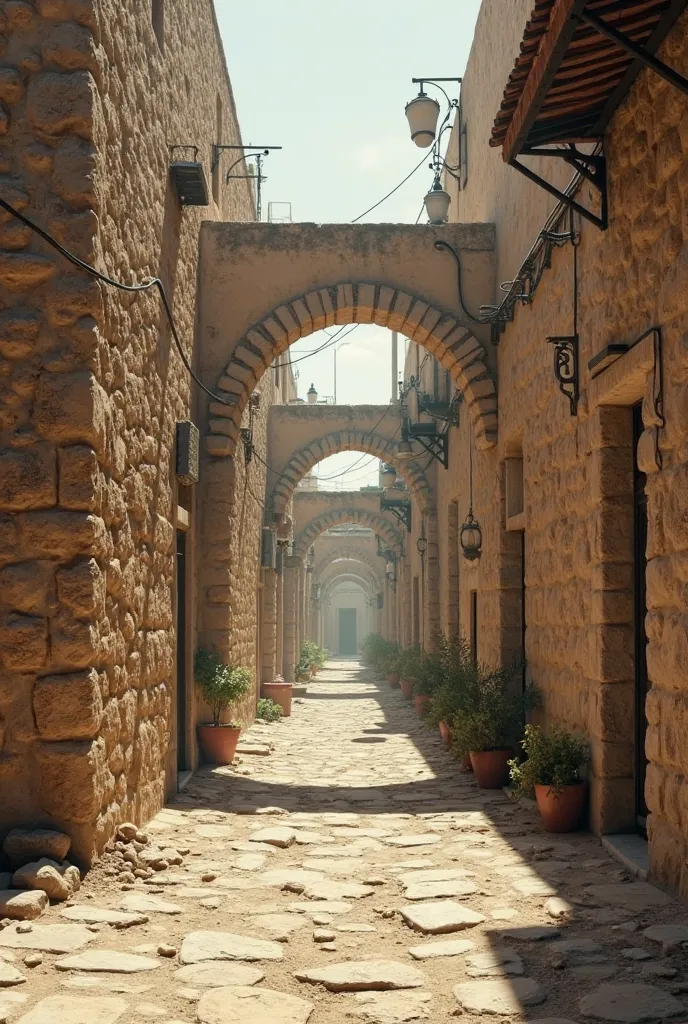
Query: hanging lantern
{"points": [[312, 395], [404, 449], [284, 528], [388, 475], [471, 538], [437, 203], [422, 114]]}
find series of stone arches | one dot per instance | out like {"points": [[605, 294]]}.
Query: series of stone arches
{"points": [[383, 448], [450, 340], [336, 516]]}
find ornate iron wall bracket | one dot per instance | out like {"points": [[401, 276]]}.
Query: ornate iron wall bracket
{"points": [[399, 507], [247, 432], [566, 368]]}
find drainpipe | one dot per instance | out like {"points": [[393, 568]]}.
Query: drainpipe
{"points": [[395, 367]]}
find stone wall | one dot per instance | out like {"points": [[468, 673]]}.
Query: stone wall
{"points": [[91, 100], [578, 485]]}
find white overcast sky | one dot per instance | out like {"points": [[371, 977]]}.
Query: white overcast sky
{"points": [[329, 82]]}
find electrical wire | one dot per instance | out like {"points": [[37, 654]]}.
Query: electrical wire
{"points": [[395, 189], [153, 282], [334, 339]]}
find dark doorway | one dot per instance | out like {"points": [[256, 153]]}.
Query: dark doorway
{"points": [[474, 624], [640, 611], [181, 652], [347, 632], [523, 610]]}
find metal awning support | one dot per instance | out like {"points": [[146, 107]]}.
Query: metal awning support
{"points": [[593, 167], [644, 55]]}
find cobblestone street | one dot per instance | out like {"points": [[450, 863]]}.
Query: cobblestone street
{"points": [[354, 873]]}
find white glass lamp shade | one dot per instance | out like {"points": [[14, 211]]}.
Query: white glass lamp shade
{"points": [[437, 204], [312, 395], [388, 476], [422, 114]]}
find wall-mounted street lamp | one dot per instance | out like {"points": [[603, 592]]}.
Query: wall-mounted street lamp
{"points": [[422, 542], [388, 475], [247, 432], [312, 395], [422, 114], [259, 178]]}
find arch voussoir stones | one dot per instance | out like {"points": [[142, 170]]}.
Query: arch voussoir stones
{"points": [[450, 340], [360, 517], [302, 461]]}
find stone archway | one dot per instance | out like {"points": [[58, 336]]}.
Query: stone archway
{"points": [[303, 460], [265, 286], [361, 517], [346, 554]]}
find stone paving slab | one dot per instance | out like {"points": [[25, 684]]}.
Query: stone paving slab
{"points": [[371, 824]]}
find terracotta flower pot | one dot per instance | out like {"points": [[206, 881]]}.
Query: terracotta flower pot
{"points": [[281, 693], [314, 670], [561, 811], [393, 680], [406, 688], [422, 702], [218, 743], [491, 767], [445, 734]]}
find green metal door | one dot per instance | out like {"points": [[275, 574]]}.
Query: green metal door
{"points": [[347, 632]]}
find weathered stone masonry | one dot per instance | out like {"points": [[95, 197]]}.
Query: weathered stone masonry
{"points": [[91, 100]]}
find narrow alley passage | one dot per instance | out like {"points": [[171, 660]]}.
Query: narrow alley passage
{"points": [[353, 873]]}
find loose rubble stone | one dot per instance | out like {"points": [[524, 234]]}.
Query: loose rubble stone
{"points": [[630, 1003], [531, 933], [251, 862], [323, 935], [393, 1007], [558, 908], [22, 846], [434, 950], [499, 995], [143, 903], [126, 831], [22, 905], [203, 945], [33, 959], [58, 881], [252, 1006], [567, 946], [594, 972], [75, 1010], [167, 950], [103, 915], [48, 938], [109, 960], [363, 975], [494, 963], [280, 835], [439, 918], [10, 976]]}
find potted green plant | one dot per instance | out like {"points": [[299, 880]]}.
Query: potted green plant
{"points": [[279, 692], [457, 669], [268, 710], [490, 720], [429, 677], [391, 665], [552, 773], [221, 686], [409, 669]]}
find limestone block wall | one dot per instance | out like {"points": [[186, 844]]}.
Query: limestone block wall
{"points": [[578, 486], [91, 99]]}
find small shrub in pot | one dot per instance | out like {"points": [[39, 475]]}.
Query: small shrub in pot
{"points": [[221, 686], [552, 773]]}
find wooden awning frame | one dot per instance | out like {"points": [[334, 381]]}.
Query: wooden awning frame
{"points": [[525, 132]]}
